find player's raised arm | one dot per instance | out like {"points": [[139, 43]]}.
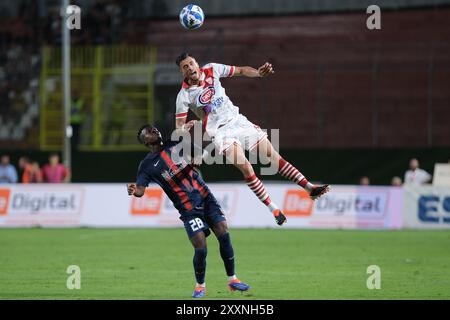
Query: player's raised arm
{"points": [[181, 109], [181, 124], [263, 71]]}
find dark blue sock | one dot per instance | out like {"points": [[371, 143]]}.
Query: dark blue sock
{"points": [[200, 264], [227, 253]]}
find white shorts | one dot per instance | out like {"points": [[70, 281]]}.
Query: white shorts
{"points": [[239, 131]]}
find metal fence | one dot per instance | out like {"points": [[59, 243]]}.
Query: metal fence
{"points": [[115, 87]]}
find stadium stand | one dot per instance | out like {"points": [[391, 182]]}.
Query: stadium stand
{"points": [[337, 83], [19, 72], [341, 75], [386, 89]]}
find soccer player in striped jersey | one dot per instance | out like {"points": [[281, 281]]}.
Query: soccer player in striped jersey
{"points": [[198, 208], [230, 131]]}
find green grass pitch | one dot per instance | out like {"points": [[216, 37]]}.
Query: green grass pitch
{"points": [[278, 264]]}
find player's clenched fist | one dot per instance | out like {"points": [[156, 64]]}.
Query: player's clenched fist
{"points": [[134, 190], [265, 69], [131, 188]]}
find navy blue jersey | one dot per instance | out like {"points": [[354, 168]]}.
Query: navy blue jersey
{"points": [[176, 176]]}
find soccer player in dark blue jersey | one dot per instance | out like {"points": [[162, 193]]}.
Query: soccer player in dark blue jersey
{"points": [[198, 208]]}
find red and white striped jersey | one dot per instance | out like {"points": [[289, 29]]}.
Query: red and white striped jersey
{"points": [[208, 100]]}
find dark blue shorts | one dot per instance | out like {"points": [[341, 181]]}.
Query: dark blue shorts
{"points": [[200, 220]]}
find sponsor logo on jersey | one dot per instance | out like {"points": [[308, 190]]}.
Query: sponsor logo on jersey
{"points": [[206, 96], [179, 165], [214, 104]]}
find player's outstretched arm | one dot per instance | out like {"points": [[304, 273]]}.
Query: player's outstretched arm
{"points": [[134, 190], [181, 124], [263, 71]]}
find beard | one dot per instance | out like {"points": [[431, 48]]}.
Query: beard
{"points": [[193, 77]]}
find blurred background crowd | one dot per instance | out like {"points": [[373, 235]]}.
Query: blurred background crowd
{"points": [[30, 171], [353, 105]]}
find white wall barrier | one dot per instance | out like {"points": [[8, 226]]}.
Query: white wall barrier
{"points": [[108, 205], [427, 207]]}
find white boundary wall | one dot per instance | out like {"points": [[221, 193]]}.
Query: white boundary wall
{"points": [[108, 205]]}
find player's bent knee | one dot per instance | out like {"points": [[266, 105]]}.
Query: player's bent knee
{"points": [[270, 150], [199, 240], [248, 170], [220, 228], [274, 155]]}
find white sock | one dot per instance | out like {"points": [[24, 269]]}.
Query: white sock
{"points": [[309, 186], [233, 277], [203, 285], [272, 206]]}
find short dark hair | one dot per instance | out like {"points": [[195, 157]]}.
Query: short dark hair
{"points": [[139, 134], [181, 57]]}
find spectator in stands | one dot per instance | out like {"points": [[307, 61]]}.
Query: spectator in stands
{"points": [[415, 175], [52, 28], [26, 168], [31, 172], [55, 172], [396, 181], [8, 174], [364, 181], [36, 173]]}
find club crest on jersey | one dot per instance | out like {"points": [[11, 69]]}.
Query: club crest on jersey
{"points": [[206, 96]]}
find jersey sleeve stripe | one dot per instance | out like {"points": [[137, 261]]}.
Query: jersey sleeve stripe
{"points": [[231, 73], [181, 115]]}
